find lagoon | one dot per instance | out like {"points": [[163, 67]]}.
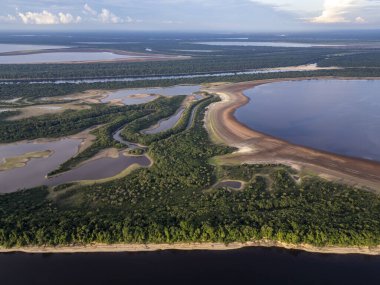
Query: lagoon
{"points": [[98, 169], [34, 172], [145, 95], [338, 116]]}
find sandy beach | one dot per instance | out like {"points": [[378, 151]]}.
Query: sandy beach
{"points": [[92, 248], [256, 148]]}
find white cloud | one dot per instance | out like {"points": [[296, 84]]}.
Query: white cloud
{"points": [[334, 11], [43, 18], [47, 18], [360, 20], [107, 17], [346, 11], [292, 5], [68, 19], [129, 19], [89, 10]]}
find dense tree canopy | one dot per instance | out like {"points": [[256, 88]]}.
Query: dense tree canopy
{"points": [[174, 201]]}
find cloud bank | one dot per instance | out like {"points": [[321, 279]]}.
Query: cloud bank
{"points": [[227, 15], [47, 18], [347, 11]]}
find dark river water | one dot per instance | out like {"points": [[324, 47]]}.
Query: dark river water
{"points": [[246, 266], [339, 116]]}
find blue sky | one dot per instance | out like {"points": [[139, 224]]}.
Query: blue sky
{"points": [[207, 15]]}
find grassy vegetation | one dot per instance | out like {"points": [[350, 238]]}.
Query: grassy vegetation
{"points": [[22, 160], [167, 203]]}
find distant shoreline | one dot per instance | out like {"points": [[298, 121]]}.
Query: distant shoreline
{"points": [[118, 248]]}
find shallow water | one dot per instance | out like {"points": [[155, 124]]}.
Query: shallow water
{"points": [[339, 116], [127, 95], [268, 44], [57, 57], [98, 169], [267, 266], [166, 124], [33, 174], [21, 47]]}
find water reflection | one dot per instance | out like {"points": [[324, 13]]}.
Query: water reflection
{"points": [[99, 169], [165, 124], [339, 116], [34, 172]]}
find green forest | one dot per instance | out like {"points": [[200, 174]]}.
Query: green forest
{"points": [[175, 201]]}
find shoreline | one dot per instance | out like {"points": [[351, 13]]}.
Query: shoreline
{"points": [[120, 248], [257, 148]]}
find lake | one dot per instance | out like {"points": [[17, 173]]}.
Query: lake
{"points": [[35, 171], [21, 47], [59, 57], [269, 266], [338, 116], [33, 174], [136, 96], [98, 169]]}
